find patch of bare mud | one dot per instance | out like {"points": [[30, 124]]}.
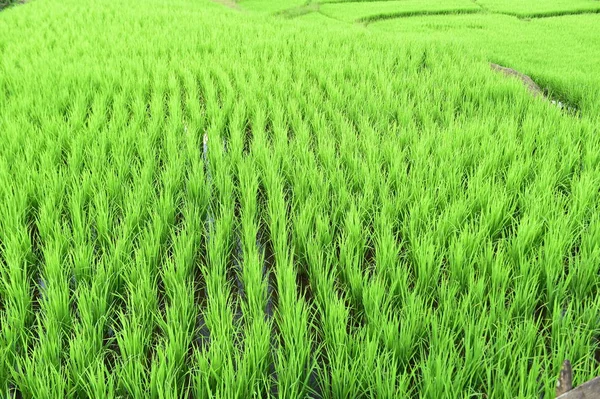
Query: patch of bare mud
{"points": [[536, 90]]}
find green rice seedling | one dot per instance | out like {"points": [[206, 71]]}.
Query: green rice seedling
{"points": [[171, 366], [134, 337], [334, 315], [253, 366], [213, 377], [216, 371], [292, 361], [102, 384]]}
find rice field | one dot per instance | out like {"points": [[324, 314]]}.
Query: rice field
{"points": [[198, 201]]}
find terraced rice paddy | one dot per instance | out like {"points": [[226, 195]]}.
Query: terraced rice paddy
{"points": [[372, 11], [214, 202]]}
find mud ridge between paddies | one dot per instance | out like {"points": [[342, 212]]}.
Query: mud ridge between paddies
{"points": [[533, 87]]}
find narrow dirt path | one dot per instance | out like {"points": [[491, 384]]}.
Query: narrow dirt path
{"points": [[527, 81], [534, 89]]}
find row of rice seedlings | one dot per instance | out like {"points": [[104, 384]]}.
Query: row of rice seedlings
{"points": [[235, 150], [371, 11], [217, 365], [17, 262], [253, 368], [245, 271], [178, 235], [51, 300], [293, 362], [133, 334], [307, 207], [326, 279]]}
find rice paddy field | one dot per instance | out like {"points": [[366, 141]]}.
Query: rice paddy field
{"points": [[267, 199]]}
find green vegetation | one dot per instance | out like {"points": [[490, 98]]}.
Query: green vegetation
{"points": [[197, 201]]}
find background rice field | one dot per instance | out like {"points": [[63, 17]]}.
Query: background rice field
{"points": [[208, 200]]}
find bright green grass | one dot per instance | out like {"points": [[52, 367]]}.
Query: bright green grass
{"points": [[368, 11], [537, 8], [196, 201]]}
